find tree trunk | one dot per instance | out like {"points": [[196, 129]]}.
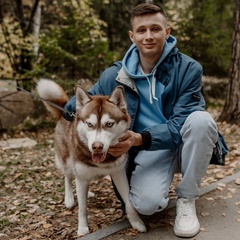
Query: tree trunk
{"points": [[231, 110], [36, 30], [26, 56]]}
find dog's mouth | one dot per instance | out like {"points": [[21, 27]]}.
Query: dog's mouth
{"points": [[98, 157]]}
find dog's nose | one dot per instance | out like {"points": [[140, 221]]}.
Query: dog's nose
{"points": [[97, 146]]}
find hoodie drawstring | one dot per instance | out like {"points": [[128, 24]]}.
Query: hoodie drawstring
{"points": [[152, 88], [154, 85], [149, 89]]}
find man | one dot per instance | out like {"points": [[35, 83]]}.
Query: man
{"points": [[170, 131]]}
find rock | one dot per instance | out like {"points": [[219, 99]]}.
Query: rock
{"points": [[15, 106], [17, 143]]}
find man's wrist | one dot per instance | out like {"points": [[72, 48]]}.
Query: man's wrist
{"points": [[138, 140], [146, 140]]}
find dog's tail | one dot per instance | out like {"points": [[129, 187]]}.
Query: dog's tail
{"points": [[52, 92]]}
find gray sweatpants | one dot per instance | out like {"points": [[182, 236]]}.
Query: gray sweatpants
{"points": [[152, 177]]}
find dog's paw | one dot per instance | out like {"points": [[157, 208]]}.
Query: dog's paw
{"points": [[139, 226], [82, 231], [91, 194], [134, 219], [69, 205], [69, 202]]}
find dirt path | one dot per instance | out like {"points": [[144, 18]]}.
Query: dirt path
{"points": [[32, 190]]}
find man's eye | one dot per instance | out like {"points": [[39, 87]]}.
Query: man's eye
{"points": [[140, 30], [156, 29], [109, 124]]}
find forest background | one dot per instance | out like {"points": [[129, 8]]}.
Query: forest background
{"points": [[73, 40]]}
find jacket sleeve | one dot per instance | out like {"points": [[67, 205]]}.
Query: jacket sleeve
{"points": [[104, 86], [107, 81], [185, 86], [70, 109]]}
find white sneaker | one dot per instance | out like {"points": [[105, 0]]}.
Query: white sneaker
{"points": [[186, 222]]}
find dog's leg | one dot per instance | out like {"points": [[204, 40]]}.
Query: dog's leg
{"points": [[91, 194], [66, 169], [69, 197], [82, 186], [120, 181]]}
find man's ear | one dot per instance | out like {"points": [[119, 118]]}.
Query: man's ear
{"points": [[130, 34], [168, 31]]}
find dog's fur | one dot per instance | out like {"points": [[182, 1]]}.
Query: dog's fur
{"points": [[81, 146]]}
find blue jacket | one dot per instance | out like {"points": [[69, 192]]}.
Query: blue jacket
{"points": [[182, 78]]}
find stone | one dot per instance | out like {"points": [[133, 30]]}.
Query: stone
{"points": [[13, 143], [15, 106]]}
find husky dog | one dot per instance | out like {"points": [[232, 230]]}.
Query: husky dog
{"points": [[81, 146]]}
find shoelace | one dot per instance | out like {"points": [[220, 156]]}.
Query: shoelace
{"points": [[185, 209]]}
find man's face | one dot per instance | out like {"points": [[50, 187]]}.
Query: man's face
{"points": [[149, 33]]}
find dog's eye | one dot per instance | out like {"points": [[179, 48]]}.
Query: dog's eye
{"points": [[89, 124], [109, 124]]}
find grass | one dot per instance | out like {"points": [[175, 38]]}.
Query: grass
{"points": [[4, 223]]}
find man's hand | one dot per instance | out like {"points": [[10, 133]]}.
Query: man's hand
{"points": [[125, 143]]}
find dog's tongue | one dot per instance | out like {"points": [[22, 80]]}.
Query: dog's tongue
{"points": [[98, 157]]}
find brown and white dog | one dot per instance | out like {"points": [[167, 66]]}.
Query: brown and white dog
{"points": [[81, 146]]}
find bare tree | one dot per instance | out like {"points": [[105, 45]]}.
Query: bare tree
{"points": [[231, 110], [20, 55]]}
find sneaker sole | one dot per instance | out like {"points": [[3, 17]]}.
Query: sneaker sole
{"points": [[186, 234]]}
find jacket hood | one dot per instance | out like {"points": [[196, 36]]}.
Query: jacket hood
{"points": [[130, 61], [133, 69]]}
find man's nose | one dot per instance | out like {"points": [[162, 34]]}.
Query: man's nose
{"points": [[149, 34]]}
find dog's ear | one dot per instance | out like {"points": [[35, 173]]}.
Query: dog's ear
{"points": [[118, 98], [81, 97]]}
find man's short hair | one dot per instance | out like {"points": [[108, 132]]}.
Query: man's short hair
{"points": [[147, 8]]}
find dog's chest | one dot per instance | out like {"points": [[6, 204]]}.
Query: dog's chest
{"points": [[102, 169]]}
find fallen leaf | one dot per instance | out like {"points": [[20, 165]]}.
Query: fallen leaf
{"points": [[237, 181], [222, 185], [132, 232], [232, 190], [47, 225], [67, 212], [220, 175], [210, 198], [237, 203], [220, 188], [204, 214], [16, 203], [2, 168]]}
